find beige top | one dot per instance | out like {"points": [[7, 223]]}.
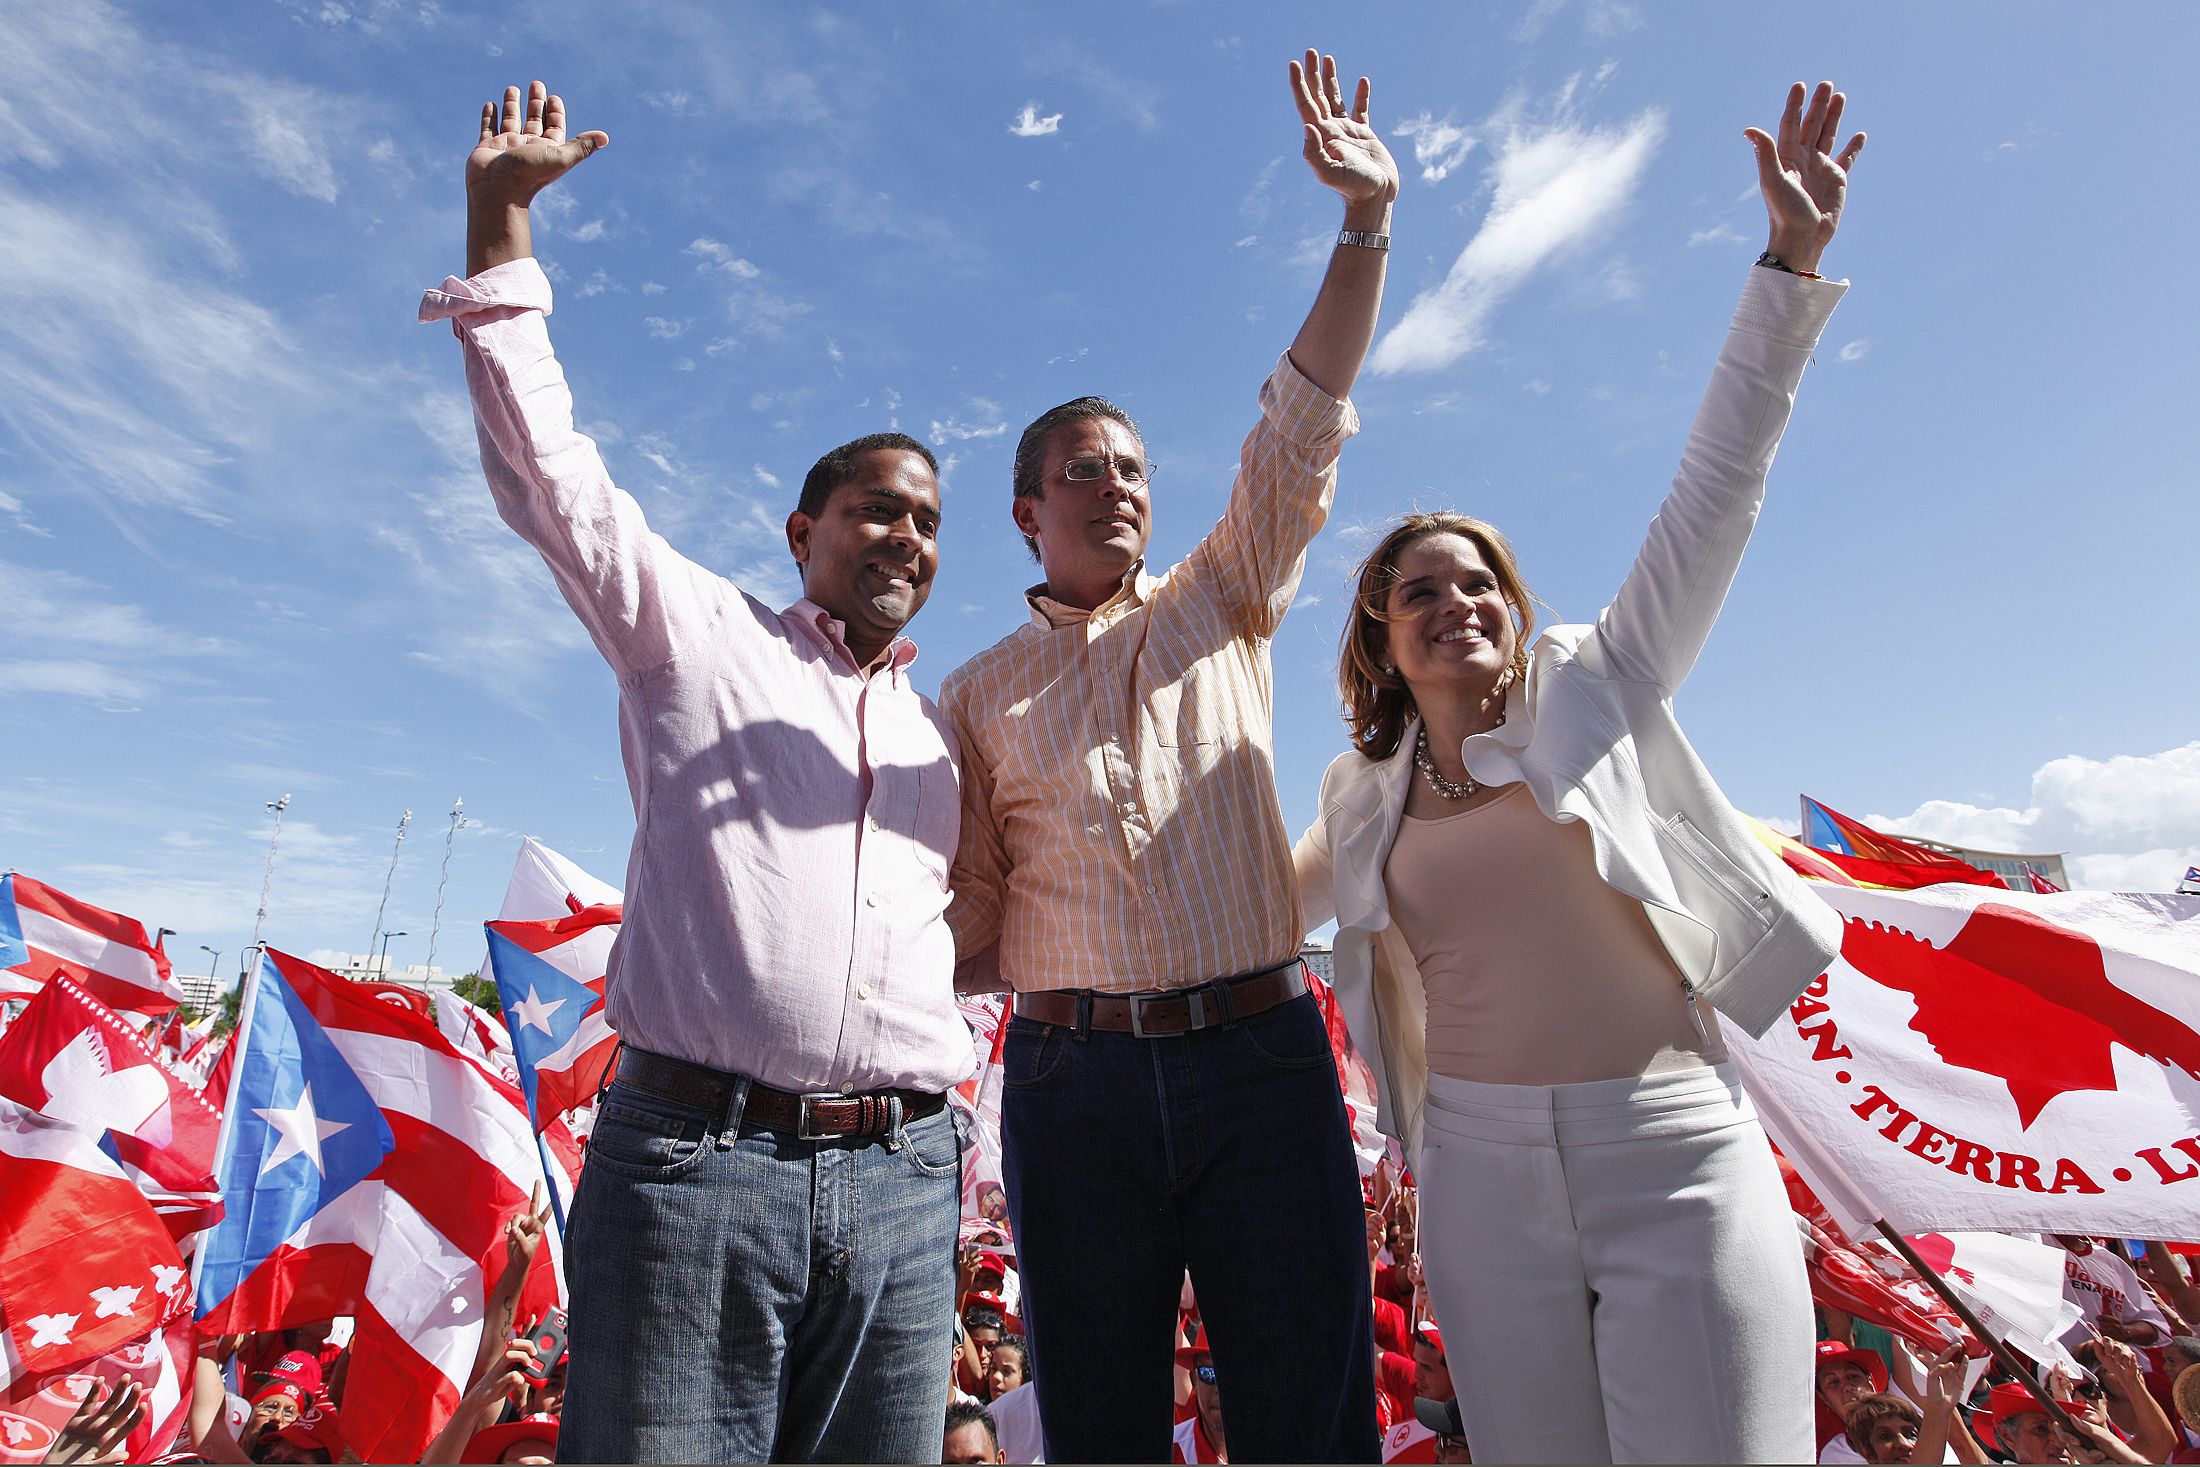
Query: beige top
{"points": [[1536, 971]]}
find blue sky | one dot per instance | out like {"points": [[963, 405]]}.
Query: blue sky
{"points": [[245, 548]]}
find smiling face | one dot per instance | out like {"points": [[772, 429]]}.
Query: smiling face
{"points": [[1091, 531], [869, 554], [1841, 1383], [1449, 621], [1892, 1439]]}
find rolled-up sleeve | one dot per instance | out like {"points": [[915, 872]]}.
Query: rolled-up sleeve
{"points": [[1286, 480], [640, 600]]}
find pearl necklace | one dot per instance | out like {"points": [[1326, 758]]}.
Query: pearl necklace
{"points": [[1436, 780]]}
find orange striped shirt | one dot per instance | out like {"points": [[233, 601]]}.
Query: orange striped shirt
{"points": [[1120, 828]]}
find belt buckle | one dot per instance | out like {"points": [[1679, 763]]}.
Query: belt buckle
{"points": [[1195, 1017], [802, 1129]]}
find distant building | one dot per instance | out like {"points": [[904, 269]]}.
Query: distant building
{"points": [[364, 967], [2009, 866], [202, 991], [1322, 961]]}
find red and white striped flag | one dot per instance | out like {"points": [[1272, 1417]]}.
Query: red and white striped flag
{"points": [[44, 932]]}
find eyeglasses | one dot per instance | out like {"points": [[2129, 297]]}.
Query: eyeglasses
{"points": [[2092, 1390], [1206, 1374], [1132, 471]]}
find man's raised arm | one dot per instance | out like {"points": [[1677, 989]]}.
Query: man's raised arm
{"points": [[518, 156], [1347, 156]]}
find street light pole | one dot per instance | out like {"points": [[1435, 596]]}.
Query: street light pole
{"points": [[213, 969], [381, 963]]}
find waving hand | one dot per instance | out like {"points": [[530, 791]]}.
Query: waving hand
{"points": [[1805, 183]]}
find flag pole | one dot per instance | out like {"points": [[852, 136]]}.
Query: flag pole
{"points": [[2008, 1358], [222, 1137], [550, 1183]]}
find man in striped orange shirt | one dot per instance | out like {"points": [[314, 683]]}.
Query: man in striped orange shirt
{"points": [[1170, 1102]]}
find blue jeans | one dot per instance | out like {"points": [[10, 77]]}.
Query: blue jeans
{"points": [[740, 1295], [1225, 1152]]}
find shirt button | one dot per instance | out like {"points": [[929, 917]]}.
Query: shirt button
{"points": [[1151, 889], [871, 820], [847, 1087], [1114, 737], [863, 990], [871, 900]]}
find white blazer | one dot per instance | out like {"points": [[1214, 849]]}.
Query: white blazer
{"points": [[1590, 731]]}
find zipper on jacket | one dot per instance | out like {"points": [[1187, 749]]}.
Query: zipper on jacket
{"points": [[1684, 832], [1695, 1011]]}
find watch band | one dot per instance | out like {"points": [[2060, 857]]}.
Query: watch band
{"points": [[1364, 239], [1772, 261]]}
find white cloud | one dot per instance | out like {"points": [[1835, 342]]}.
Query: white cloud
{"points": [[716, 256], [1854, 351], [2127, 823], [1439, 147], [765, 476], [274, 119], [1555, 185], [960, 432], [662, 329], [1719, 233], [1029, 124]]}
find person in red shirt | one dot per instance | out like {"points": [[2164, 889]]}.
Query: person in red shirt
{"points": [[1201, 1438]]}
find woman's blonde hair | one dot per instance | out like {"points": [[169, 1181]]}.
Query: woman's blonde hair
{"points": [[1377, 703]]}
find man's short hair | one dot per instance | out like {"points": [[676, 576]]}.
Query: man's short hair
{"points": [[1014, 1345], [978, 1316], [838, 466], [2185, 1345], [972, 1413], [1031, 449], [1865, 1412]]}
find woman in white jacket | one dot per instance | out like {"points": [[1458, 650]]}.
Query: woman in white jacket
{"points": [[1540, 893]]}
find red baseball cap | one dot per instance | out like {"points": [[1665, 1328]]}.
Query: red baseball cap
{"points": [[1833, 1352], [2010, 1399], [987, 1259], [317, 1428], [493, 1442], [297, 1393], [1427, 1330], [1188, 1355]]}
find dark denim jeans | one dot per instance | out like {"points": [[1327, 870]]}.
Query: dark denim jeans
{"points": [[744, 1296], [1226, 1152]]}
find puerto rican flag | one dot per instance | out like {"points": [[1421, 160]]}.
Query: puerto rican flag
{"points": [[550, 977], [44, 932], [369, 1168], [74, 1060]]}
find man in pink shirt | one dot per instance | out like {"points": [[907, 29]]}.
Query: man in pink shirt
{"points": [[772, 1190]]}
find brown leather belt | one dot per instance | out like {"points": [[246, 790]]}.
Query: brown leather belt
{"points": [[813, 1117], [1178, 1011]]}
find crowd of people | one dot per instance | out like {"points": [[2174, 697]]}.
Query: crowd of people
{"points": [[2128, 1391]]}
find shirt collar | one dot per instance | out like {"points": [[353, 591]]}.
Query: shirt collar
{"points": [[816, 621], [1049, 614]]}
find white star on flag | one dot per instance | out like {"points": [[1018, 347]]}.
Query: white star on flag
{"points": [[302, 1131], [167, 1278], [50, 1329], [119, 1300], [533, 1013]]}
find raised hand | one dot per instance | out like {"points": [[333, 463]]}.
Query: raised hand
{"points": [[1805, 183], [96, 1432], [523, 1232], [524, 149], [1344, 152]]}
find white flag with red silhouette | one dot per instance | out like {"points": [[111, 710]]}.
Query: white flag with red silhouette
{"points": [[1978, 1059], [74, 1060], [85, 1265]]}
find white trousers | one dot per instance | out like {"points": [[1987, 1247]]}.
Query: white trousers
{"points": [[1616, 1271]]}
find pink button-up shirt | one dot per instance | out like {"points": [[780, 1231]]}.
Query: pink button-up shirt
{"points": [[794, 816]]}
